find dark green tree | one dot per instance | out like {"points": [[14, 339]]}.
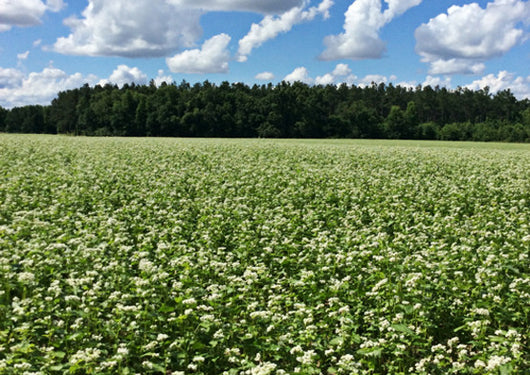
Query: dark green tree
{"points": [[395, 124], [411, 120], [3, 114]]}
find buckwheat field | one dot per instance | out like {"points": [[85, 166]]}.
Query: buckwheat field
{"points": [[173, 257]]}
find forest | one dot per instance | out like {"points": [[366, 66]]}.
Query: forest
{"points": [[284, 110]]}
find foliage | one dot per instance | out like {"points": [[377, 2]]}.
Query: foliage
{"points": [[171, 256], [286, 110]]}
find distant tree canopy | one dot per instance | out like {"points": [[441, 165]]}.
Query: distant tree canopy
{"points": [[286, 110]]}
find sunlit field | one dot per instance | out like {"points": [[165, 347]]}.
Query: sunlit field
{"points": [[187, 256]]}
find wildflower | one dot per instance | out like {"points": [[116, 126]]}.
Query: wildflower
{"points": [[161, 337], [265, 368], [26, 277], [496, 361], [306, 358]]}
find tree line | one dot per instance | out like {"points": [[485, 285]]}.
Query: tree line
{"points": [[284, 110]]}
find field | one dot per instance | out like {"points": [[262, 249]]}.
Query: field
{"points": [[172, 256]]}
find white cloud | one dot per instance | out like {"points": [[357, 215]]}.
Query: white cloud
{"points": [[130, 28], [461, 40], [161, 78], [124, 74], [261, 6], [519, 86], [369, 79], [270, 27], [265, 76], [363, 22], [145, 28], [437, 81], [25, 12], [55, 5], [18, 88], [23, 56], [341, 70], [456, 66], [299, 74], [213, 57], [341, 73], [10, 78], [326, 79]]}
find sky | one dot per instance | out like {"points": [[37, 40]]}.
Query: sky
{"points": [[47, 46]]}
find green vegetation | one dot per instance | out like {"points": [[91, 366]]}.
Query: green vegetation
{"points": [[201, 256], [283, 111]]}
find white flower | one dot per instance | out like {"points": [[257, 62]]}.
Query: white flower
{"points": [[496, 361], [189, 301], [265, 368], [307, 357], [146, 266], [26, 277], [161, 337]]}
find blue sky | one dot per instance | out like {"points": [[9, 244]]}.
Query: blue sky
{"points": [[48, 46]]}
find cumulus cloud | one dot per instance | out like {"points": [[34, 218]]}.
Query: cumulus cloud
{"points": [[461, 40], [363, 21], [299, 74], [124, 74], [130, 29], [262, 6], [455, 66], [10, 78], [519, 86], [326, 79], [212, 57], [341, 70], [437, 81], [162, 77], [270, 27], [25, 12], [265, 76], [369, 79], [145, 28], [19, 89], [341, 73]]}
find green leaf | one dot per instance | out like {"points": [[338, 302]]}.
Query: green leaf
{"points": [[460, 328], [59, 355], [166, 309], [497, 338], [370, 352], [159, 368], [337, 341], [403, 328], [506, 369]]}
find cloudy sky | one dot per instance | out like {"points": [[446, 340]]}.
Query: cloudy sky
{"points": [[51, 45]]}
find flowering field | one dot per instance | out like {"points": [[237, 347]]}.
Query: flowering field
{"points": [[170, 256]]}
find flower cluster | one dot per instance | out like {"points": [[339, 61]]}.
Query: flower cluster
{"points": [[169, 256]]}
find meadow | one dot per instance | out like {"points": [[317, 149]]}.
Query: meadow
{"points": [[203, 256]]}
